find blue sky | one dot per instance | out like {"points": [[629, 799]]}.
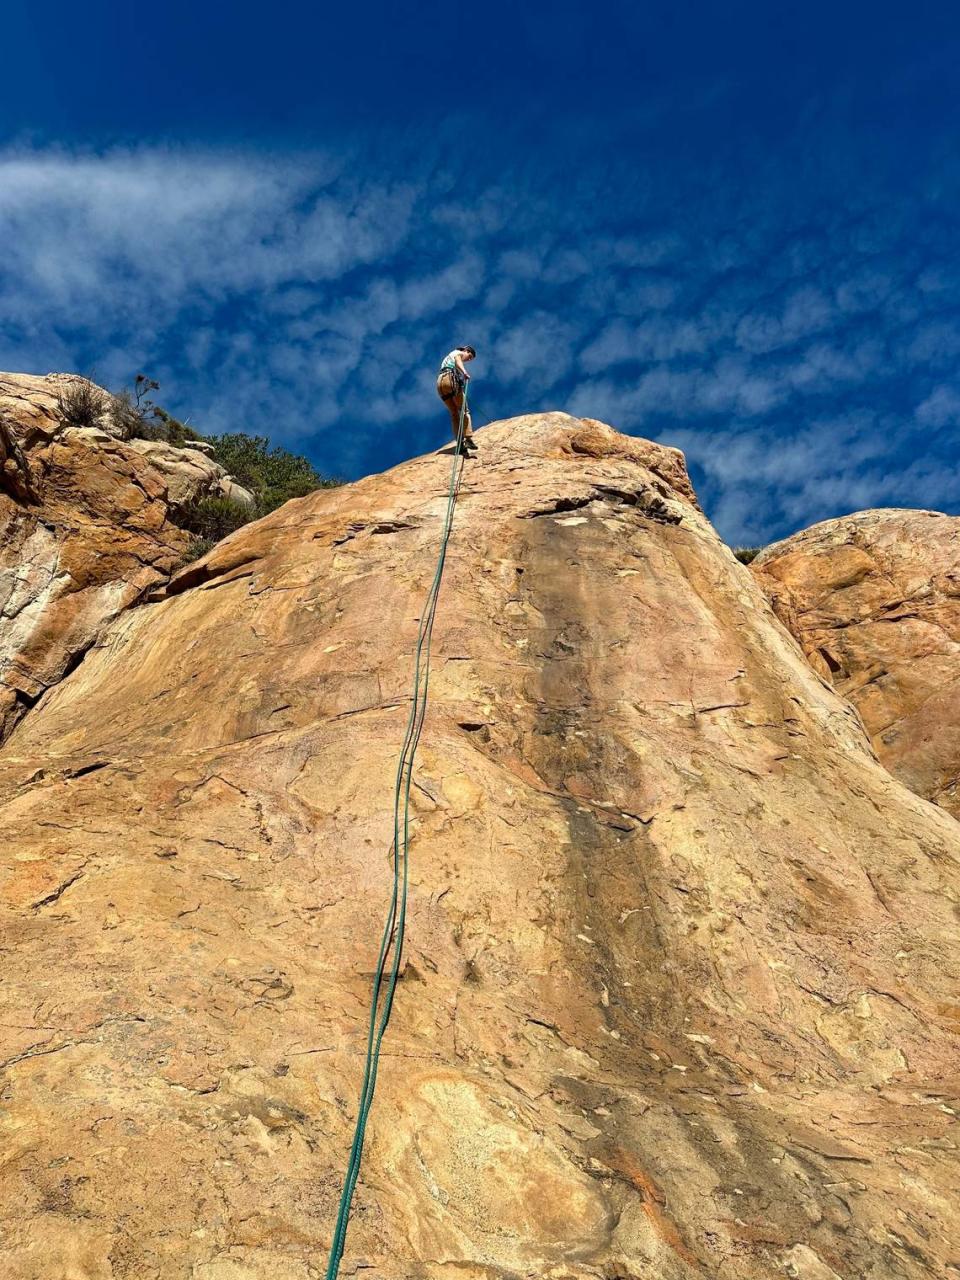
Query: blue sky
{"points": [[732, 227]]}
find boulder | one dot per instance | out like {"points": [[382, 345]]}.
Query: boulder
{"points": [[226, 487], [201, 446], [190, 474], [35, 404], [874, 601]]}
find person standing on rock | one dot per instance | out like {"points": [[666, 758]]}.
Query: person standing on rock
{"points": [[451, 385]]}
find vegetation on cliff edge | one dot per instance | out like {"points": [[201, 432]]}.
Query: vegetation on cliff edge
{"points": [[273, 475]]}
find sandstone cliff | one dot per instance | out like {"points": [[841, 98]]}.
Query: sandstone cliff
{"points": [[679, 997], [874, 600], [86, 527]]}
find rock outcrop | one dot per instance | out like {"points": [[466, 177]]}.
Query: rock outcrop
{"points": [[680, 986], [874, 600], [87, 525]]}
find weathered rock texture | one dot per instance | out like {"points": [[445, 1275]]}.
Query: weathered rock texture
{"points": [[680, 989], [874, 600], [85, 529]]}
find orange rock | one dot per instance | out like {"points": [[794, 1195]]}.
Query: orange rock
{"points": [[693, 1016], [874, 600], [85, 531]]}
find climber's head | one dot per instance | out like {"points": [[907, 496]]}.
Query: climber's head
{"points": [[467, 352]]}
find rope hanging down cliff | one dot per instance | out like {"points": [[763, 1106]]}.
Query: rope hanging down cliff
{"points": [[391, 945]]}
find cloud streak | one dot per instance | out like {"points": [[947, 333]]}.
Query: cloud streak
{"points": [[799, 343]]}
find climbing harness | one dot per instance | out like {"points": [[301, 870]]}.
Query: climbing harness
{"points": [[391, 945], [453, 379]]}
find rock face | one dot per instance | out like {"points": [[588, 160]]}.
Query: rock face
{"points": [[874, 600], [680, 986], [85, 530]]}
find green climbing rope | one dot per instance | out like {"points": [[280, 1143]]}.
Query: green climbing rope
{"points": [[391, 944]]}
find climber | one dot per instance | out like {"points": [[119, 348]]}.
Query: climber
{"points": [[451, 385]]}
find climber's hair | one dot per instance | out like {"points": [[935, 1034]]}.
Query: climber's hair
{"points": [[469, 350]]}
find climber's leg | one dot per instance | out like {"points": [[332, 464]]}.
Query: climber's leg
{"points": [[456, 406]]}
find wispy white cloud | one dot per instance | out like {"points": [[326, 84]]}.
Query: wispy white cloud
{"points": [[807, 310], [941, 408], [802, 356], [936, 343]]}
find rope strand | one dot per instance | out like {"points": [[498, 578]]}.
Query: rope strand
{"points": [[393, 932]]}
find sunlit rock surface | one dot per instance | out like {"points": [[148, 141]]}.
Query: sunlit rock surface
{"points": [[874, 599], [680, 985], [86, 528]]}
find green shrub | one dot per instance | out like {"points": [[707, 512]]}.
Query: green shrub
{"points": [[273, 476], [126, 419], [198, 547], [135, 417], [746, 555], [81, 403], [173, 430], [213, 518]]}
